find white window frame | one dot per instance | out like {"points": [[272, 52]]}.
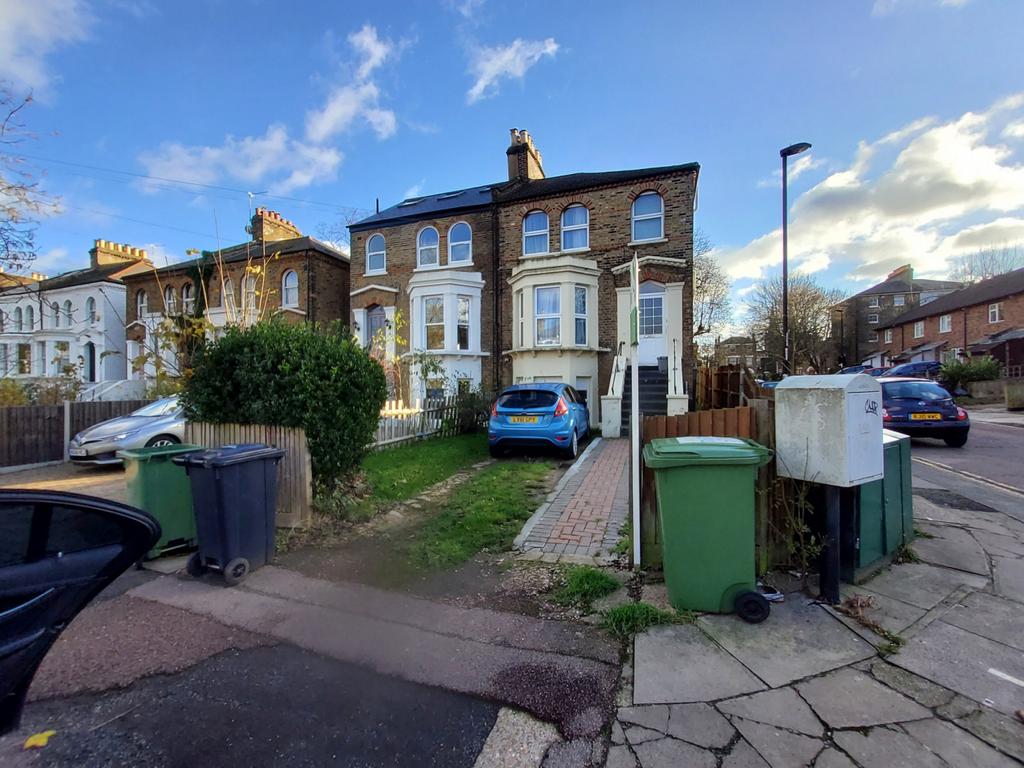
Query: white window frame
{"points": [[287, 289], [30, 318], [873, 302], [68, 312], [55, 308], [584, 227], [577, 316], [899, 300], [919, 329], [141, 303], [249, 299], [188, 298], [90, 310], [545, 233], [227, 296], [170, 301], [995, 312], [469, 243], [439, 298], [467, 302], [420, 264], [634, 217], [873, 336], [370, 254], [556, 316], [18, 320], [522, 319], [888, 336], [873, 318], [945, 323]]}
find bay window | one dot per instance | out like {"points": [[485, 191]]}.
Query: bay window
{"points": [[547, 311], [462, 324], [580, 315]]}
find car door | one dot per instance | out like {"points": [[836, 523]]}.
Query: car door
{"points": [[57, 552]]}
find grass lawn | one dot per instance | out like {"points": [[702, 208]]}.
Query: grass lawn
{"points": [[484, 513]]}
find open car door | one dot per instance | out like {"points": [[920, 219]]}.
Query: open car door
{"points": [[57, 552]]}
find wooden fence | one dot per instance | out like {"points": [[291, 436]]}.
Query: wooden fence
{"points": [[400, 423], [727, 386], [36, 434], [295, 470], [755, 421]]}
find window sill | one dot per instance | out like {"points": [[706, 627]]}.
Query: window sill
{"points": [[439, 267], [574, 251], [655, 241], [375, 273]]}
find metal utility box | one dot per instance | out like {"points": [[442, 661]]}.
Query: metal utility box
{"points": [[828, 429]]}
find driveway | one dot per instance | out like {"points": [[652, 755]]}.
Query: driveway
{"points": [[105, 482]]}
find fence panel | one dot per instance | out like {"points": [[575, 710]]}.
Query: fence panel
{"points": [[401, 423], [31, 434], [86, 414], [295, 470]]}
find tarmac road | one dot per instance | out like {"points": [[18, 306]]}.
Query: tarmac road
{"points": [[993, 451]]}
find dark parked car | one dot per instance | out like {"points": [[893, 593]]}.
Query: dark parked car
{"points": [[929, 370], [854, 369], [922, 408], [540, 414], [876, 372], [57, 552]]}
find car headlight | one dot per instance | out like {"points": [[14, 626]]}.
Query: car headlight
{"points": [[123, 436]]}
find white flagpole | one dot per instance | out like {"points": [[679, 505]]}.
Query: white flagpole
{"points": [[634, 406]]}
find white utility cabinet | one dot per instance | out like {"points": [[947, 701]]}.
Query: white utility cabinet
{"points": [[828, 429]]}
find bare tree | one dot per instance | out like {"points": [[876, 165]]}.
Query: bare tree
{"points": [[711, 305], [810, 319], [986, 263], [22, 200]]}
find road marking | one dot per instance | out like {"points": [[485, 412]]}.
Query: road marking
{"points": [[970, 475], [1006, 677]]}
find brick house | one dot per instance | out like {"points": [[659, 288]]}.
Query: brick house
{"points": [[856, 322], [983, 318], [279, 272], [527, 279]]}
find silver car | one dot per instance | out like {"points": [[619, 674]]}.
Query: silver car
{"points": [[157, 424]]}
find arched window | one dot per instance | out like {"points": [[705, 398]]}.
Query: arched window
{"points": [[228, 296], [56, 314], [188, 299], [67, 313], [19, 320], [170, 301], [575, 228], [141, 303], [376, 255], [535, 233], [648, 217], [290, 289], [460, 244], [30, 319], [249, 294], [90, 310], [426, 247]]}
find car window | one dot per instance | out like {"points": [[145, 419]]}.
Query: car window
{"points": [[15, 529], [76, 530], [528, 398], [164, 407], [914, 390]]}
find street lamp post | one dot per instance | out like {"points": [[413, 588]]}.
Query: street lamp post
{"points": [[786, 153]]}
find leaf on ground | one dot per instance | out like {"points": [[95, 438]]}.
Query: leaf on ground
{"points": [[38, 740]]}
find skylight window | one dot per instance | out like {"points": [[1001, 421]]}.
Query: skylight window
{"points": [[450, 195], [411, 201]]}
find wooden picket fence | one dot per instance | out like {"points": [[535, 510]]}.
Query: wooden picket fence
{"points": [[755, 421], [401, 423], [295, 470]]}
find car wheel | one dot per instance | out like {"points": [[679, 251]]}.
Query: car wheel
{"points": [[495, 451], [574, 447], [956, 441], [162, 441]]}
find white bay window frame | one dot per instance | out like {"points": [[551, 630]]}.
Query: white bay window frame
{"points": [[547, 313]]}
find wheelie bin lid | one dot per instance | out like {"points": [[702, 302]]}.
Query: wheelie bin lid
{"points": [[157, 452], [226, 455], [690, 451]]}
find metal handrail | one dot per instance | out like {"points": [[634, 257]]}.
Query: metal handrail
{"points": [[675, 388]]}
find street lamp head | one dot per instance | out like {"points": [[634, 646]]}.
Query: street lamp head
{"points": [[794, 149]]}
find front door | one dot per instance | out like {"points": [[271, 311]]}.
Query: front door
{"points": [[375, 324], [651, 325]]}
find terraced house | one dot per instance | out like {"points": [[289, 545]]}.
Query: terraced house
{"points": [[527, 279]]}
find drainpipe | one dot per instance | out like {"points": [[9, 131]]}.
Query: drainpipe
{"points": [[496, 309], [965, 333]]}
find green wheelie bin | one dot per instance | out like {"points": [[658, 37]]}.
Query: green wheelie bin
{"points": [[162, 488], [706, 488]]}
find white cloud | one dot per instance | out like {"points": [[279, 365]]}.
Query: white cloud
{"points": [[491, 64], [343, 107], [1014, 130], [465, 8], [30, 30], [803, 163], [886, 7], [373, 50], [918, 195], [415, 190]]}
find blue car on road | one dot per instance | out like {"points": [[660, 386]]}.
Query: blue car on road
{"points": [[539, 414], [922, 408]]}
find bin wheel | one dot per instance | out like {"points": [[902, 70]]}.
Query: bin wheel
{"points": [[194, 566], [236, 571], [752, 607]]}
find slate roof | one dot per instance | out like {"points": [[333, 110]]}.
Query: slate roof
{"points": [[902, 285], [982, 292], [104, 273], [254, 249], [472, 198]]}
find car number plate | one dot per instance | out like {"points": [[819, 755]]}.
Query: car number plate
{"points": [[523, 419], [925, 416], [77, 452]]}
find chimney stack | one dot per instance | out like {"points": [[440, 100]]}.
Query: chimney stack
{"points": [[906, 272], [106, 252], [524, 160], [270, 226]]}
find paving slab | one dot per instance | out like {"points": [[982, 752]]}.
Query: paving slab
{"points": [[924, 692], [743, 756], [779, 748], [885, 748], [952, 547], [700, 724], [653, 716], [850, 698], [672, 753], [922, 585], [993, 617], [833, 758], [516, 741], [782, 707], [1002, 732], [798, 640], [956, 746], [890, 613], [1009, 577], [679, 664], [637, 734], [620, 757], [998, 544], [966, 663]]}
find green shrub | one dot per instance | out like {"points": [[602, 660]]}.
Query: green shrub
{"points": [[319, 379], [12, 393], [956, 373]]}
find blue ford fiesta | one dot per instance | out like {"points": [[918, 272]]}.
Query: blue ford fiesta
{"points": [[921, 408], [540, 414]]}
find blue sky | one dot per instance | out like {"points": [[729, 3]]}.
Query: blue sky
{"points": [[914, 108]]}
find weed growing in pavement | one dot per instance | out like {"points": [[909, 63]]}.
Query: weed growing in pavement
{"points": [[906, 554], [790, 514], [624, 621], [624, 546], [583, 585], [919, 534], [854, 607]]}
